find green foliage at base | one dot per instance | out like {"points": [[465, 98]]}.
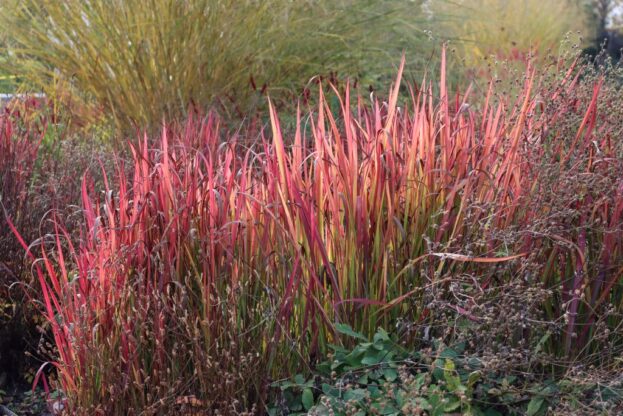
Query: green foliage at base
{"points": [[380, 377]]}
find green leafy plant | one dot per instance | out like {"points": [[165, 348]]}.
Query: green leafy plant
{"points": [[381, 377]]}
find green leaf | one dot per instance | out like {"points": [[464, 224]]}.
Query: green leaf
{"points": [[375, 392], [420, 380], [308, 398], [449, 353], [293, 401], [452, 405], [370, 359], [452, 380], [329, 390], [437, 369], [494, 391], [379, 345], [399, 397], [609, 393], [336, 365], [473, 378], [385, 410], [354, 359], [355, 394], [338, 349], [376, 357], [535, 406], [273, 411], [381, 335], [390, 374], [474, 363], [542, 341], [434, 397], [322, 410], [510, 379], [346, 329], [374, 375], [423, 403]]}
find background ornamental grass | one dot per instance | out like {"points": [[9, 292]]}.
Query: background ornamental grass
{"points": [[136, 65], [140, 64]]}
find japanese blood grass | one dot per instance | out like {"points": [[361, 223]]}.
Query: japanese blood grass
{"points": [[20, 140], [40, 176], [214, 267]]}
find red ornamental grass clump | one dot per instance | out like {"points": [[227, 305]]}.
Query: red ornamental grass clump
{"points": [[216, 267], [20, 140]]}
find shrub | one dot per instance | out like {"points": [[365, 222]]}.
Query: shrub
{"points": [[434, 218], [144, 63]]}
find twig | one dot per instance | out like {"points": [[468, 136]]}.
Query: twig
{"points": [[6, 412]]}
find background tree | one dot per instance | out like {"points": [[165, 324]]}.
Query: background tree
{"points": [[606, 20], [606, 15]]}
